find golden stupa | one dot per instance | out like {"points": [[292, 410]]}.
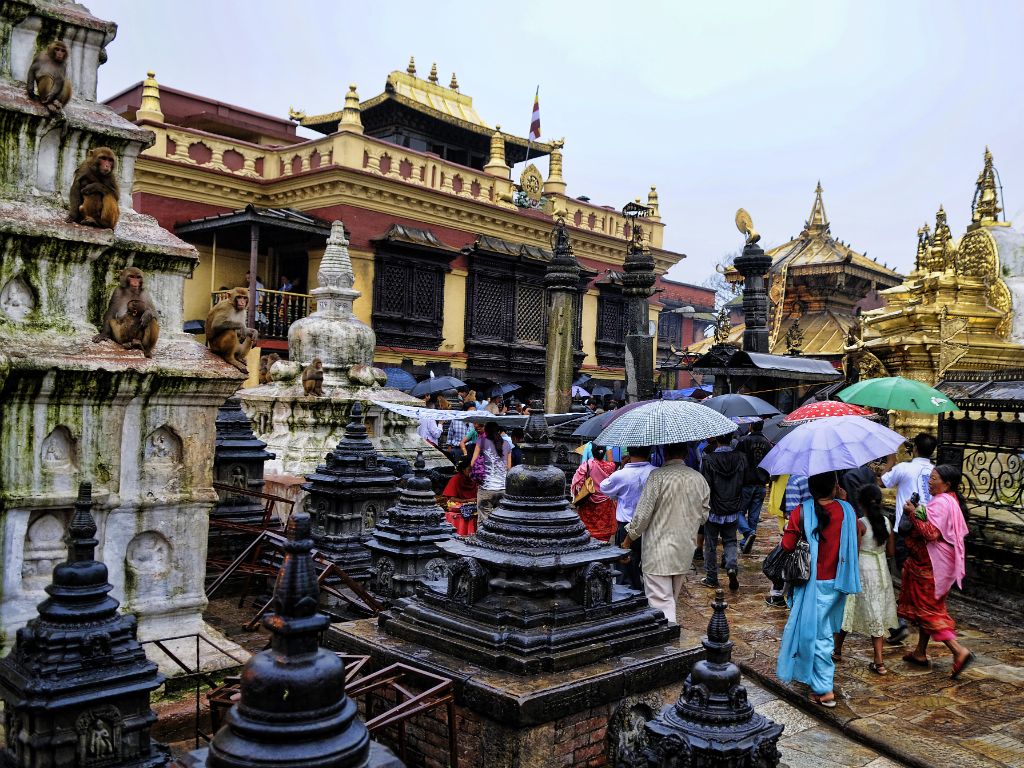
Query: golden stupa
{"points": [[958, 310]]}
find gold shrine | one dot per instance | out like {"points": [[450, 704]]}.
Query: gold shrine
{"points": [[955, 311]]}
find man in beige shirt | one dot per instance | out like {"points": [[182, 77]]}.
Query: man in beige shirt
{"points": [[674, 503]]}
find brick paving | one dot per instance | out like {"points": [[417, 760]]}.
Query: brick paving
{"points": [[918, 717]]}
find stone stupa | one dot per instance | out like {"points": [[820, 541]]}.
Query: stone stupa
{"points": [[301, 429]]}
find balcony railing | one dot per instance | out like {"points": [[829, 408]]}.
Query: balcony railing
{"points": [[275, 310]]}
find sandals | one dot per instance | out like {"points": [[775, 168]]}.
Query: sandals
{"points": [[960, 666], [827, 703], [837, 658], [878, 668], [910, 658]]}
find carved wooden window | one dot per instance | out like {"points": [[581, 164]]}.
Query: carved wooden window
{"points": [[408, 301], [610, 344], [670, 330], [491, 306], [530, 325]]}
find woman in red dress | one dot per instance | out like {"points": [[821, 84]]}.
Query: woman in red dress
{"points": [[935, 547], [596, 511]]}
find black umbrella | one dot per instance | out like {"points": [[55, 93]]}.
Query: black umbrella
{"points": [[500, 390], [580, 381], [595, 425], [740, 405], [774, 430], [600, 391], [436, 384]]}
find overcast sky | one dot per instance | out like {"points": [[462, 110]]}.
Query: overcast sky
{"points": [[721, 105]]}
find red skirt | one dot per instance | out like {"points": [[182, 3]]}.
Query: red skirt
{"points": [[918, 604], [599, 518]]}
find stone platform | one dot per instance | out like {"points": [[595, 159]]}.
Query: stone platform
{"points": [[576, 717]]}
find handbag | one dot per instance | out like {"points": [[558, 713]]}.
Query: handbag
{"points": [[478, 469], [793, 567], [586, 489]]}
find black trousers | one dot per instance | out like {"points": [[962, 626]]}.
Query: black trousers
{"points": [[631, 574]]}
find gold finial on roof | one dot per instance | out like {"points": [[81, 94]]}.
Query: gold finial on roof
{"points": [[940, 249], [411, 69], [433, 73], [496, 165], [746, 225], [818, 221], [454, 84], [652, 200], [555, 183], [351, 115], [985, 206], [924, 240], [149, 107]]}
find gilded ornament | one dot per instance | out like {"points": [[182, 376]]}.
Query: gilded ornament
{"points": [[950, 352], [976, 256], [870, 367], [722, 326], [531, 183], [746, 225], [985, 205]]}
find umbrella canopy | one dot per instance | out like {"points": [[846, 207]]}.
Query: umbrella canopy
{"points": [[678, 394], [582, 379], [399, 379], [500, 390], [774, 429], [740, 405], [578, 391], [593, 426], [897, 394], [600, 391], [665, 421], [436, 384], [825, 409], [841, 442]]}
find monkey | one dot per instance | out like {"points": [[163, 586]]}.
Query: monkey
{"points": [[226, 332], [131, 316], [95, 191], [47, 81], [313, 378], [265, 364]]}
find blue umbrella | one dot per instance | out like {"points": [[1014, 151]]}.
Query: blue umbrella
{"points": [[600, 391], [839, 442], [399, 379]]}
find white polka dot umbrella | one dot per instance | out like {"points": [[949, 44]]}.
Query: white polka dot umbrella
{"points": [[825, 409]]}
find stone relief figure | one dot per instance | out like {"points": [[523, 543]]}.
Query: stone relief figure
{"points": [[95, 193], [100, 743], [58, 450], [47, 79], [16, 299], [44, 547], [149, 553], [163, 446], [99, 736]]}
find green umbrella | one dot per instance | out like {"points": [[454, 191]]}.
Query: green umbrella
{"points": [[897, 394]]}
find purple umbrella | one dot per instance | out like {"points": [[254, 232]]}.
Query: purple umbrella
{"points": [[840, 442]]}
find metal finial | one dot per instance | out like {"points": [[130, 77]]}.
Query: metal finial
{"points": [[433, 73], [454, 84], [411, 69]]}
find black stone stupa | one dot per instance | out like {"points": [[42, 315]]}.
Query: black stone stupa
{"points": [[293, 710], [347, 494], [403, 545], [76, 685], [712, 724], [531, 591]]}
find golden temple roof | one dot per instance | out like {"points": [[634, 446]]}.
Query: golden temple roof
{"points": [[824, 334]]}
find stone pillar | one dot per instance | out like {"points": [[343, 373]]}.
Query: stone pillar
{"points": [[753, 264], [712, 723], [293, 710], [403, 545], [238, 462], [76, 685], [561, 282], [637, 287], [347, 494]]}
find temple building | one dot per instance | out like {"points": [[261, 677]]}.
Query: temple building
{"points": [[960, 310], [817, 286], [448, 250]]}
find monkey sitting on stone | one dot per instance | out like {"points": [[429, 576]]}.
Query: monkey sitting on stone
{"points": [[265, 364], [313, 379], [95, 191], [131, 316], [47, 81], [226, 332]]}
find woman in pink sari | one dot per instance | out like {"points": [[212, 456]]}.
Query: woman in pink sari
{"points": [[935, 548], [596, 511]]}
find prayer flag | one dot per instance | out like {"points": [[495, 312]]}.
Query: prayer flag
{"points": [[535, 120]]}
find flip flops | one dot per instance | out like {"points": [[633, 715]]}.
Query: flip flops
{"points": [[911, 659], [960, 666], [878, 668], [827, 703]]}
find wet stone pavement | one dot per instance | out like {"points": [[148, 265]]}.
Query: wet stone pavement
{"points": [[915, 717]]}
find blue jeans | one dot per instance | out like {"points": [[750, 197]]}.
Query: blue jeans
{"points": [[712, 532], [750, 514]]}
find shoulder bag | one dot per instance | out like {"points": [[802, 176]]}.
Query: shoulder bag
{"points": [[586, 489]]}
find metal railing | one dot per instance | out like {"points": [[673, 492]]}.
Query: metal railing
{"points": [[275, 310]]}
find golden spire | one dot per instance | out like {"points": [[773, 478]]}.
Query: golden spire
{"points": [[351, 118], [555, 183], [818, 221], [496, 165], [940, 249], [150, 108], [454, 84], [652, 201], [433, 73], [924, 240], [985, 206], [411, 69]]}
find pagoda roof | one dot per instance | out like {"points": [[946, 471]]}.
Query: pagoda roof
{"points": [[824, 335], [816, 250], [428, 98]]}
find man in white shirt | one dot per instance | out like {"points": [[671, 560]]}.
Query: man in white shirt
{"points": [[625, 486], [908, 478]]}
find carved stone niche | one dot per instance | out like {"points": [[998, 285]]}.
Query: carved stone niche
{"points": [[44, 548], [98, 734], [17, 299], [467, 581], [148, 561], [162, 453], [58, 457]]}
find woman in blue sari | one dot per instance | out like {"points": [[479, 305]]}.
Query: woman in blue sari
{"points": [[830, 528]]}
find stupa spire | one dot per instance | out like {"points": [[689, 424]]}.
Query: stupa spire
{"points": [[817, 222], [411, 69], [985, 207]]}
